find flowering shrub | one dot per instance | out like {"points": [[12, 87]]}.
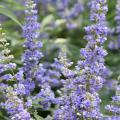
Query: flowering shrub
{"points": [[40, 78]]}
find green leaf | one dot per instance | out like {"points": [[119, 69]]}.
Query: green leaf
{"points": [[9, 14], [36, 104], [60, 22], [14, 5], [47, 20], [48, 118], [2, 117], [61, 41], [37, 117]]}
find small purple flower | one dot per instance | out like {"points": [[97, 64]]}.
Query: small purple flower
{"points": [[114, 107], [14, 105]]}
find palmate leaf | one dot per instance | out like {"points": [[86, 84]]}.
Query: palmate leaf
{"points": [[9, 14]]}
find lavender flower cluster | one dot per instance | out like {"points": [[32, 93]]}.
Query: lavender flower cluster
{"points": [[80, 99], [114, 107], [65, 10], [28, 88], [12, 103], [68, 14]]}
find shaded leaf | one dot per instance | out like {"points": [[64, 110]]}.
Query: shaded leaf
{"points": [[9, 14]]}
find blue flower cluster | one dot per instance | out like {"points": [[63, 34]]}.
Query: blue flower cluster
{"points": [[65, 10], [21, 96], [81, 86], [67, 13], [5, 58], [12, 103], [33, 73], [15, 106], [32, 55], [114, 107]]}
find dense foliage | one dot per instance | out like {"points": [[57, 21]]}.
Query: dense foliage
{"points": [[59, 60]]}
